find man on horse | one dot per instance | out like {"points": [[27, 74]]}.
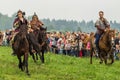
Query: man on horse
{"points": [[101, 24], [20, 20]]}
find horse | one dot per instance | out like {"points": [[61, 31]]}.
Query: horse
{"points": [[21, 48], [39, 44], [42, 40], [34, 46], [106, 48]]}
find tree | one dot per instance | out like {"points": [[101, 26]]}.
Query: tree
{"points": [[79, 29]]}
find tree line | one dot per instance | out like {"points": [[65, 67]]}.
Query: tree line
{"points": [[6, 22]]}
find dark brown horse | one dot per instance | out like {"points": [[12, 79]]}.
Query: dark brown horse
{"points": [[106, 46], [42, 40], [34, 46], [39, 44], [21, 48]]}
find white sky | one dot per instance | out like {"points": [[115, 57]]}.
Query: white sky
{"points": [[64, 9]]}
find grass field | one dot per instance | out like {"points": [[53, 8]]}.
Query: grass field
{"points": [[57, 67]]}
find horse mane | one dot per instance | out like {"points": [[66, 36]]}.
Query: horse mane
{"points": [[42, 38], [23, 29], [42, 31]]}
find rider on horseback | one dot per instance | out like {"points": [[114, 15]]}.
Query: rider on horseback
{"points": [[101, 24], [36, 24], [20, 20]]}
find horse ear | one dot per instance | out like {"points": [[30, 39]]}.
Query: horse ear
{"points": [[46, 28], [23, 13]]}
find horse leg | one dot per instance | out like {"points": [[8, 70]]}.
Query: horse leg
{"points": [[36, 56], [20, 63], [13, 49], [37, 52], [42, 57], [37, 49], [91, 54], [101, 57], [31, 53], [105, 58], [26, 63], [33, 57], [112, 58]]}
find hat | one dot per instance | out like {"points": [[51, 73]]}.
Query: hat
{"points": [[35, 15], [23, 13]]}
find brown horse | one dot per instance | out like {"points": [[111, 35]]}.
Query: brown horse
{"points": [[106, 46], [21, 48]]}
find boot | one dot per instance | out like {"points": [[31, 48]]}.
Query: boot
{"points": [[13, 53], [97, 50]]}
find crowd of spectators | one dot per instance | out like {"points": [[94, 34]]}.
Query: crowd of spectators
{"points": [[69, 43], [6, 37], [66, 43]]}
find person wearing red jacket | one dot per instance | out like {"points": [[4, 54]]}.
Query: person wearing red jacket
{"points": [[20, 20]]}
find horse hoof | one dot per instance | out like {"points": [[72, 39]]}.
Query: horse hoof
{"points": [[28, 74], [42, 64], [19, 66], [35, 61], [100, 62], [111, 63], [22, 69]]}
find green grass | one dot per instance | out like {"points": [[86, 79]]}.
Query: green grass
{"points": [[57, 67]]}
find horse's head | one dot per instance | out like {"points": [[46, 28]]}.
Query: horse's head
{"points": [[111, 36], [42, 34], [23, 31]]}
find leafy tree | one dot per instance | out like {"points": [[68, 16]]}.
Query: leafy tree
{"points": [[57, 25]]}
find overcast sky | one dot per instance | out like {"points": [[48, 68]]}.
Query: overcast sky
{"points": [[64, 9]]}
